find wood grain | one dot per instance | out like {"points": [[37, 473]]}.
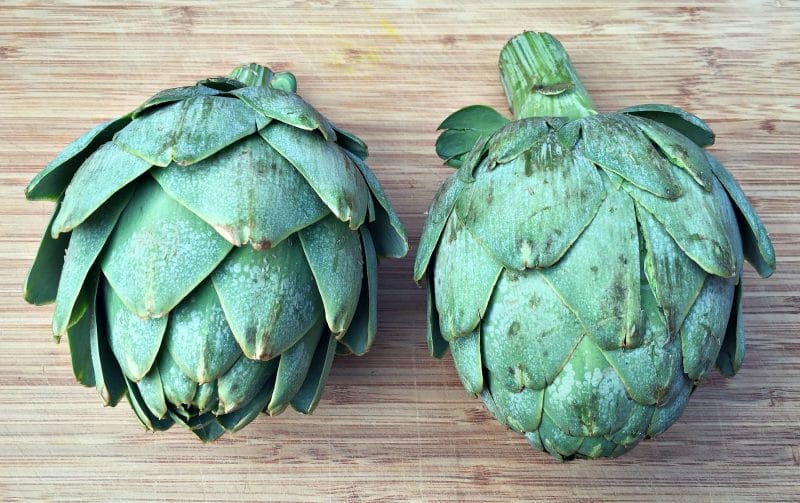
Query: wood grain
{"points": [[396, 425]]}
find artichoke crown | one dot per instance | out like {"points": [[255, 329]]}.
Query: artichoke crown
{"points": [[211, 251], [585, 269]]}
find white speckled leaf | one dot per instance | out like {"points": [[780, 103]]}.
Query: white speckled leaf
{"points": [[519, 409], [679, 149], [335, 256], [663, 417], [285, 107], [293, 367], [309, 394], [361, 332], [528, 333], [694, 221], [615, 143], [326, 168], [248, 192], [674, 278], [105, 172], [269, 297], [135, 341], [198, 336], [188, 131], [159, 252], [530, 210], [435, 220], [464, 276], [85, 245], [587, 397], [704, 328], [50, 182], [598, 278], [242, 382]]}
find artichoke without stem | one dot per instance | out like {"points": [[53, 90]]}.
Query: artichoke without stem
{"points": [[585, 269], [221, 245]]}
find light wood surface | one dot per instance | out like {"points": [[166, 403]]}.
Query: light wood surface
{"points": [[396, 424]]}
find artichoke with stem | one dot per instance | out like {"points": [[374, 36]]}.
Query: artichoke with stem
{"points": [[212, 250], [584, 268]]}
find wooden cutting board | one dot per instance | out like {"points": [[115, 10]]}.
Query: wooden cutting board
{"points": [[396, 424]]}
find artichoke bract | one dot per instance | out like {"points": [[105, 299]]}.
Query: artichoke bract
{"points": [[584, 269], [211, 251]]}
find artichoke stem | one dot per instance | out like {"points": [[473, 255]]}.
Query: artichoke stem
{"points": [[539, 79], [257, 75]]}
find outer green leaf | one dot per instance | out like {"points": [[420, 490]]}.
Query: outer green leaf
{"points": [[755, 239], [679, 149], [334, 254], [205, 398], [309, 394], [616, 144], [286, 107], [390, 236], [694, 222], [663, 417], [352, 143], [54, 178], [674, 278], [108, 378], [242, 383], [209, 432], [80, 348], [437, 345], [477, 117], [515, 138], [529, 211], [188, 131], [704, 328], [198, 336], [178, 388], [269, 297], [159, 252], [105, 172], [454, 143], [241, 417], [438, 213], [135, 341], [148, 420], [680, 120], [249, 193], [649, 370], [587, 397], [731, 354], [152, 393], [222, 84], [40, 284], [464, 276], [466, 352], [85, 244], [326, 168], [559, 444], [528, 333], [519, 409], [598, 278], [293, 368], [359, 336], [174, 94]]}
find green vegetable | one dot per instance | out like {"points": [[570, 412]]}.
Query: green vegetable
{"points": [[584, 269], [222, 243]]}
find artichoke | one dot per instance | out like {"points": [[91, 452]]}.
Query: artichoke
{"points": [[211, 251], [585, 269]]}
